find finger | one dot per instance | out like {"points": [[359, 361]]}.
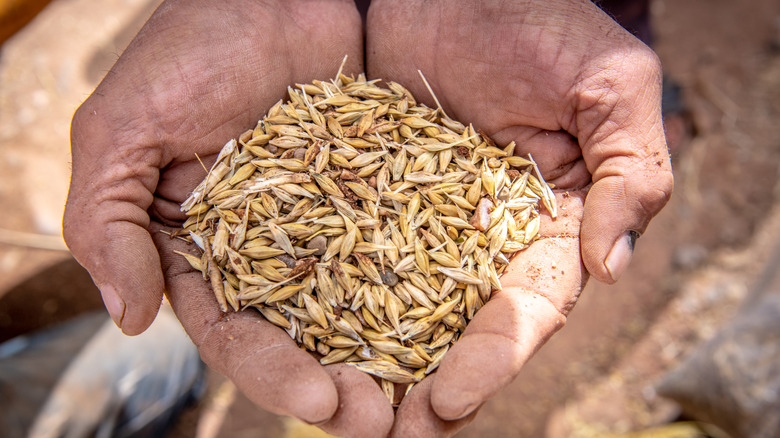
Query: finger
{"points": [[417, 418], [260, 358], [540, 287], [363, 411], [622, 137], [176, 183], [105, 221], [557, 154]]}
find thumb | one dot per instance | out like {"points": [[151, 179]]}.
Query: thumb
{"points": [[105, 221], [625, 150]]}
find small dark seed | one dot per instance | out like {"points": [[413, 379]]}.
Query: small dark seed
{"points": [[320, 243], [389, 278]]}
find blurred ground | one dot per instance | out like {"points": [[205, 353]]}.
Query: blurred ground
{"points": [[693, 267]]}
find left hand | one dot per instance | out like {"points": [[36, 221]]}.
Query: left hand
{"points": [[198, 73], [579, 94]]}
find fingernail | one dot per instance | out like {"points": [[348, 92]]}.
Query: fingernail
{"points": [[620, 255], [114, 304]]}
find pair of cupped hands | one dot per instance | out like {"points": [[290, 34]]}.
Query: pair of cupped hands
{"points": [[559, 77]]}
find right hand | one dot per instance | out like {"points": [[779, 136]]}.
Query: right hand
{"points": [[199, 73], [580, 94]]}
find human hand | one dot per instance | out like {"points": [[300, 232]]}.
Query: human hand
{"points": [[199, 73], [580, 94]]}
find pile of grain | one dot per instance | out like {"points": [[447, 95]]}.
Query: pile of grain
{"points": [[368, 226]]}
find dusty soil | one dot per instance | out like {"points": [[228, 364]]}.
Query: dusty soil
{"points": [[693, 267]]}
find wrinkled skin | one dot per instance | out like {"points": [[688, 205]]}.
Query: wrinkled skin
{"points": [[579, 94], [197, 74], [558, 77]]}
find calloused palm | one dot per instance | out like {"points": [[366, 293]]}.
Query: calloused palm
{"points": [[197, 74], [580, 94]]}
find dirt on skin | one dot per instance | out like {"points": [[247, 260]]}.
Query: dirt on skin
{"points": [[691, 270]]}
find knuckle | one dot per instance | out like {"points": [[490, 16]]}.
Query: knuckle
{"points": [[69, 227], [644, 59], [621, 75], [83, 118], [656, 194], [76, 232]]}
